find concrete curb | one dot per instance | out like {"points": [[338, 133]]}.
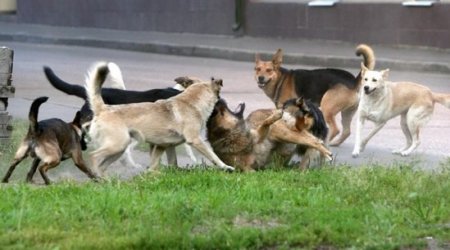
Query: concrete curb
{"points": [[234, 54]]}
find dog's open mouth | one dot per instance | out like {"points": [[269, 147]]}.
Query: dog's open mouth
{"points": [[369, 91], [262, 84]]}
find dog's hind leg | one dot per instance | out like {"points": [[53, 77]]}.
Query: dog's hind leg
{"points": [[21, 154], [190, 153], [407, 134], [45, 167], [415, 119], [335, 100], [347, 116], [171, 156], [33, 169], [155, 156], [127, 159], [103, 157]]}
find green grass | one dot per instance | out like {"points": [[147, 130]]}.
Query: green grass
{"points": [[373, 207]]}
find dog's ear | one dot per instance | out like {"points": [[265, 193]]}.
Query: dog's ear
{"points": [[299, 101], [217, 81], [257, 58], [77, 119], [184, 81], [240, 110], [385, 73], [181, 79], [278, 58]]}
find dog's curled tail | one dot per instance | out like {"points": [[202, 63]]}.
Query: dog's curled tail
{"points": [[369, 56], [116, 76], [443, 99], [33, 115], [94, 80]]}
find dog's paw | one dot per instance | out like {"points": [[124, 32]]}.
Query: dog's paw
{"points": [[397, 151], [277, 114], [355, 153], [228, 168], [405, 153]]}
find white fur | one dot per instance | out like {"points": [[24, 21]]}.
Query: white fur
{"points": [[381, 101], [115, 75]]}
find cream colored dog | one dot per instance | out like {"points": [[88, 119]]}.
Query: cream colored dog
{"points": [[162, 124], [382, 100]]}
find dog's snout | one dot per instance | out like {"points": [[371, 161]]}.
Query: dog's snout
{"points": [[260, 78], [366, 88]]}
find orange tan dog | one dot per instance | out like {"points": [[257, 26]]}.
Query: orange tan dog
{"points": [[335, 90]]}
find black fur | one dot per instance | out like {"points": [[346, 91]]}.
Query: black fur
{"points": [[110, 96], [319, 128], [312, 84]]}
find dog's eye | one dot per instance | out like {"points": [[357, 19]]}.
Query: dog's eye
{"points": [[365, 79], [269, 70], [258, 69], [374, 80]]}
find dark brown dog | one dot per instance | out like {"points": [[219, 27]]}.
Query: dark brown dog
{"points": [[334, 90], [249, 144], [50, 141]]}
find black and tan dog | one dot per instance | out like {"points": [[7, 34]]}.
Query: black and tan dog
{"points": [[334, 90], [250, 143], [300, 114], [50, 142]]}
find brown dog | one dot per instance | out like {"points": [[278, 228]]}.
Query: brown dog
{"points": [[50, 141], [249, 144], [335, 90]]}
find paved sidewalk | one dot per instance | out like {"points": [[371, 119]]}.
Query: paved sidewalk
{"points": [[306, 52]]}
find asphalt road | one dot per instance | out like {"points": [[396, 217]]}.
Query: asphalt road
{"points": [[143, 71]]}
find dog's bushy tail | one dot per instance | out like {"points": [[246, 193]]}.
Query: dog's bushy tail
{"points": [[68, 88], [116, 76], [33, 114], [94, 80], [443, 99], [369, 56]]}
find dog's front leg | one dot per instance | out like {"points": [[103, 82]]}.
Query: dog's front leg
{"points": [[359, 125], [200, 145], [377, 128]]}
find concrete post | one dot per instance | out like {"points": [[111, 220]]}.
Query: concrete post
{"points": [[6, 91]]}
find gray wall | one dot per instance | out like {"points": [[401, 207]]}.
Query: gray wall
{"points": [[194, 16], [382, 23]]}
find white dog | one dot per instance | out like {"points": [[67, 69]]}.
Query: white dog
{"points": [[381, 100]]}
